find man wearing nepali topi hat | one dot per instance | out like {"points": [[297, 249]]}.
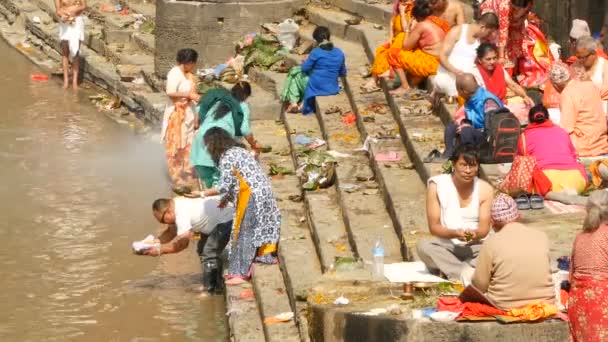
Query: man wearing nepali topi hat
{"points": [[513, 268]]}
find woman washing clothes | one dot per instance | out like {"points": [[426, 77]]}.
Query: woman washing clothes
{"points": [[317, 76], [563, 178], [419, 55], [229, 111], [255, 232], [180, 119], [399, 26], [490, 74]]}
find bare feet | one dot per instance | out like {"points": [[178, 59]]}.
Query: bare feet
{"points": [[235, 281], [66, 84], [292, 108], [399, 91]]}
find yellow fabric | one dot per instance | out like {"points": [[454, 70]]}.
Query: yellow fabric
{"points": [[534, 312], [267, 248], [381, 64], [241, 204], [594, 168], [562, 180], [417, 63]]}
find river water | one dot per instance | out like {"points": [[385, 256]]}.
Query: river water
{"points": [[76, 189]]}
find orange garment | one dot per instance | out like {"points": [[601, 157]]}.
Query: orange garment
{"points": [[534, 312], [596, 176], [583, 117], [416, 63], [442, 23], [381, 64], [177, 151]]}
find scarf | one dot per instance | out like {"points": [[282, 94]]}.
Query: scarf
{"points": [[442, 23], [495, 82], [224, 96]]}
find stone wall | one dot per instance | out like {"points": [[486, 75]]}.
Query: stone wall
{"points": [[212, 26]]}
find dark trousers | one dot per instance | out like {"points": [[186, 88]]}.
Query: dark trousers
{"points": [[467, 135], [210, 250]]}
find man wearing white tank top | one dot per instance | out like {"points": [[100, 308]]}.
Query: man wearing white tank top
{"points": [[596, 67], [458, 213], [458, 51]]}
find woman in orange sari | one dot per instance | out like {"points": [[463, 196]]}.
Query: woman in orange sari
{"points": [[419, 55], [180, 119], [399, 27]]}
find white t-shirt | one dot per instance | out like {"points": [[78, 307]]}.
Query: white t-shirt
{"points": [[200, 215]]}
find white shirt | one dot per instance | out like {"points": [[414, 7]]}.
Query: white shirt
{"points": [[200, 215]]}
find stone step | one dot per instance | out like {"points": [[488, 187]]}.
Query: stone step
{"points": [[272, 300], [375, 13], [244, 318], [263, 104], [145, 41], [147, 8]]}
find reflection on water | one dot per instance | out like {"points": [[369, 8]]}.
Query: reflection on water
{"points": [[76, 189]]}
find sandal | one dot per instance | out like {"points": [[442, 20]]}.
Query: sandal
{"points": [[369, 88], [536, 202], [523, 202]]}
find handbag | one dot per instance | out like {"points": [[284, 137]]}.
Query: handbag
{"points": [[519, 179]]}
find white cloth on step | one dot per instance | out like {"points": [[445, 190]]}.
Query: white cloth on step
{"points": [[72, 33]]}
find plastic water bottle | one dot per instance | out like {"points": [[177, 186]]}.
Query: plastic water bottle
{"points": [[378, 254]]}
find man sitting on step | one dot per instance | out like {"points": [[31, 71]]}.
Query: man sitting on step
{"points": [[458, 213]]}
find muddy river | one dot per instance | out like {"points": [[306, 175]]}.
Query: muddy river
{"points": [[76, 188]]}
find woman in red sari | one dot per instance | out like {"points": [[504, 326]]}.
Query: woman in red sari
{"points": [[588, 304]]}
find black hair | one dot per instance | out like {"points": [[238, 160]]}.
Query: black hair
{"points": [[185, 56], [484, 48], [422, 9], [469, 152], [219, 141], [538, 114], [320, 34], [240, 91], [161, 205], [521, 3], [489, 20]]}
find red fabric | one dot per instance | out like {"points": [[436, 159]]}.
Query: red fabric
{"points": [[586, 309], [453, 304], [495, 83], [537, 59]]}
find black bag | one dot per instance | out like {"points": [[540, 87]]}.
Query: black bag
{"points": [[502, 129]]}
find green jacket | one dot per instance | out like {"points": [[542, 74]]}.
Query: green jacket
{"points": [[221, 95]]}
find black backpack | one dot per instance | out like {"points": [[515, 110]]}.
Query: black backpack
{"points": [[502, 129]]}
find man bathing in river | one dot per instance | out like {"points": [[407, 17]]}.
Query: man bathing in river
{"points": [[71, 34], [188, 217]]}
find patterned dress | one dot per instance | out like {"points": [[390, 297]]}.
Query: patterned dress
{"points": [[257, 223], [588, 305]]}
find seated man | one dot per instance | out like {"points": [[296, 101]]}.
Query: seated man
{"points": [[449, 10], [458, 51], [458, 214], [187, 218], [513, 267], [469, 120], [581, 113], [579, 29], [595, 66]]}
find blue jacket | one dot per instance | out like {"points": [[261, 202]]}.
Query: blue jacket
{"points": [[474, 107]]}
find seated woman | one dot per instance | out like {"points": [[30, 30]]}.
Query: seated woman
{"points": [[399, 27], [491, 75], [563, 178], [317, 76], [589, 274], [257, 222], [220, 114], [419, 56]]}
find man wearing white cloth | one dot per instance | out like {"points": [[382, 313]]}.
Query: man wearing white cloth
{"points": [[71, 33]]}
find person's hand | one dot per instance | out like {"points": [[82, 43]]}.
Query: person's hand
{"points": [[223, 203], [194, 97], [459, 234], [402, 9], [528, 101], [154, 252]]}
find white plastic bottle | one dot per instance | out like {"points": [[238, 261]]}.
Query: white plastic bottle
{"points": [[378, 254]]}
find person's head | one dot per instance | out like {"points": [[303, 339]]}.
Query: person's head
{"points": [[163, 210], [465, 163], [422, 9], [579, 29], [488, 25], [586, 51], [538, 114], [521, 3], [439, 6], [217, 142], [466, 85], [187, 58], [322, 36], [560, 76], [487, 56], [504, 211], [401, 3], [241, 91], [597, 210]]}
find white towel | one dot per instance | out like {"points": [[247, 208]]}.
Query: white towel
{"points": [[72, 33]]}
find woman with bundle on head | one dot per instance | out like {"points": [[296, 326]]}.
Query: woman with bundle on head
{"points": [[255, 233], [317, 76]]}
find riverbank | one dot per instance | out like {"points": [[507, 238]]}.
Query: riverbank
{"points": [[371, 199]]}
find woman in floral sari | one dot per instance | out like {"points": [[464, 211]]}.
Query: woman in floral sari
{"points": [[180, 119], [588, 304], [257, 222], [399, 26]]}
